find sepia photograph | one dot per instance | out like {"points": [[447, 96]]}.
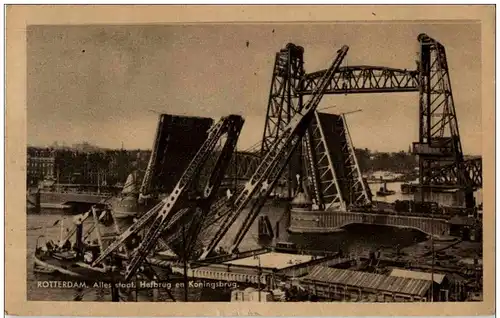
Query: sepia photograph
{"points": [[303, 162]]}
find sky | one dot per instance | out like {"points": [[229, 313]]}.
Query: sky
{"points": [[107, 84]]}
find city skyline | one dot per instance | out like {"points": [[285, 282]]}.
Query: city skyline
{"points": [[81, 144], [107, 83]]}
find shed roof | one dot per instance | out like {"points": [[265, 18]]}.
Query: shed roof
{"points": [[391, 284], [272, 260], [438, 278], [403, 285]]}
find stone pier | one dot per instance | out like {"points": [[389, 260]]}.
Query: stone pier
{"points": [[302, 221]]}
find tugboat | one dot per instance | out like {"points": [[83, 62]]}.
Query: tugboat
{"points": [[74, 259], [383, 191], [76, 250]]}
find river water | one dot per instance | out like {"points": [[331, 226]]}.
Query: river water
{"points": [[396, 186], [354, 238]]}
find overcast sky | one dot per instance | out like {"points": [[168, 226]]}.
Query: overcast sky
{"points": [[103, 84]]}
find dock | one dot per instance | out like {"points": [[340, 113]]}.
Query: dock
{"points": [[266, 266]]}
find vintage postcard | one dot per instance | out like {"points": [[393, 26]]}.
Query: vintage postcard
{"points": [[242, 157]]}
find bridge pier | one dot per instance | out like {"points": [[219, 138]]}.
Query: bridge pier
{"points": [[449, 197], [331, 221]]}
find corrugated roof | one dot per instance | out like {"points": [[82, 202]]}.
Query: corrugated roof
{"points": [[403, 285], [391, 284], [438, 278]]}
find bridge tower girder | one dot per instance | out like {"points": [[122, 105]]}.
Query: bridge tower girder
{"points": [[439, 142], [284, 102]]}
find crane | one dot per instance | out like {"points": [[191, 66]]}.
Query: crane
{"points": [[274, 162], [172, 208]]}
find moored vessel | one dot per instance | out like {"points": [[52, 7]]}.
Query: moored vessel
{"points": [[384, 191]]}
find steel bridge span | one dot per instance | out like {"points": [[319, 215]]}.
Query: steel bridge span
{"points": [[243, 164], [440, 155], [363, 79], [321, 143]]}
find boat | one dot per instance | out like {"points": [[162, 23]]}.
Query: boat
{"points": [[74, 259], [383, 191], [287, 247], [408, 187]]}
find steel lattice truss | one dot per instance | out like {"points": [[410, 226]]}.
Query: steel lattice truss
{"points": [[266, 176], [437, 116], [333, 172], [438, 121], [439, 146], [474, 168], [357, 187], [175, 213], [284, 100], [364, 79], [320, 170], [448, 175], [243, 165]]}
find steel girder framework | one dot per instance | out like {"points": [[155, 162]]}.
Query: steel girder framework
{"points": [[319, 167], [439, 138], [448, 175], [243, 165], [190, 201], [333, 172], [286, 98], [377, 79], [364, 79], [474, 168], [284, 101], [259, 187], [358, 193], [227, 129], [353, 191], [321, 175]]}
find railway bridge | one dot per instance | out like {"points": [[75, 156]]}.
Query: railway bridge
{"points": [[326, 155], [300, 139]]}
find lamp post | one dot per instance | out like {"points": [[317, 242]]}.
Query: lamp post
{"points": [[185, 267], [259, 272]]}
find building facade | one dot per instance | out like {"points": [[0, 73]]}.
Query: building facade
{"points": [[70, 166], [40, 165]]}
